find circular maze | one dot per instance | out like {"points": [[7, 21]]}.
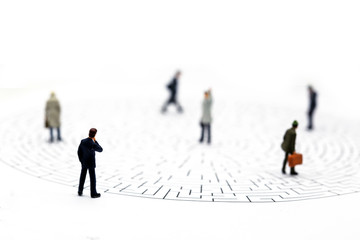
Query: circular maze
{"points": [[150, 155]]}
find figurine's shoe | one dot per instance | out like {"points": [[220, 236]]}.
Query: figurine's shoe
{"points": [[293, 173], [80, 193], [283, 171], [96, 195]]}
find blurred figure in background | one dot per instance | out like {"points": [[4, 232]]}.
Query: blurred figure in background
{"points": [[206, 118], [52, 116], [172, 86], [288, 146], [312, 106]]}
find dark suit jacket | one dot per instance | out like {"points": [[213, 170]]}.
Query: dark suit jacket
{"points": [[288, 144], [86, 152], [172, 86]]}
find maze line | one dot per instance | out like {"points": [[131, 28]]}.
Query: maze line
{"points": [[160, 157]]}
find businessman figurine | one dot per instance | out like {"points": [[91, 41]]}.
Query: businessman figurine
{"points": [[288, 146], [173, 88], [206, 118], [52, 116], [86, 154], [312, 106]]}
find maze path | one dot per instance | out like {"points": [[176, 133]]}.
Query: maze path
{"points": [[150, 155]]}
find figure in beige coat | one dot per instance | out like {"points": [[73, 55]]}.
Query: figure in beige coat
{"points": [[52, 116]]}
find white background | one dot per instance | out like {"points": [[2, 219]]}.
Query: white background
{"points": [[262, 48], [266, 51]]}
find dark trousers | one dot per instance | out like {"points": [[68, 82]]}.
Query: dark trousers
{"points": [[92, 180], [52, 135], [285, 162], [208, 129], [172, 100], [310, 118]]}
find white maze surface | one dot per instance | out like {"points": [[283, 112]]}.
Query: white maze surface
{"points": [[150, 155]]}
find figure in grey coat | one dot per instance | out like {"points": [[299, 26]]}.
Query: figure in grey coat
{"points": [[206, 117], [52, 116]]}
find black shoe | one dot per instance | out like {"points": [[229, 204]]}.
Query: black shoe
{"points": [[283, 171], [80, 193], [96, 195], [293, 173]]}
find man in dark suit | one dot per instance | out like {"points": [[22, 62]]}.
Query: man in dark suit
{"points": [[172, 86], [288, 146], [86, 154], [312, 97]]}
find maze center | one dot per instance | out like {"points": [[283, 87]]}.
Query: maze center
{"points": [[152, 155]]}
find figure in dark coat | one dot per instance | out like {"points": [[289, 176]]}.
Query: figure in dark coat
{"points": [[86, 154], [172, 86], [312, 97], [288, 146]]}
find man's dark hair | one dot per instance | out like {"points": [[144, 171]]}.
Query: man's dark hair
{"points": [[92, 132], [295, 124]]}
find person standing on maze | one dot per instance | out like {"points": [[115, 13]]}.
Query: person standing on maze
{"points": [[206, 118], [52, 116], [312, 97], [288, 146], [172, 86], [86, 154]]}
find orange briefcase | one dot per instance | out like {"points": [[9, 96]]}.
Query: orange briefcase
{"points": [[295, 159]]}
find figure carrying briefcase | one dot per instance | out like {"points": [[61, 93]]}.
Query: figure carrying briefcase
{"points": [[295, 159]]}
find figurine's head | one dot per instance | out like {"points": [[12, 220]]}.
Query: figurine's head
{"points": [[310, 88], [295, 124], [206, 94], [178, 74], [92, 132]]}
